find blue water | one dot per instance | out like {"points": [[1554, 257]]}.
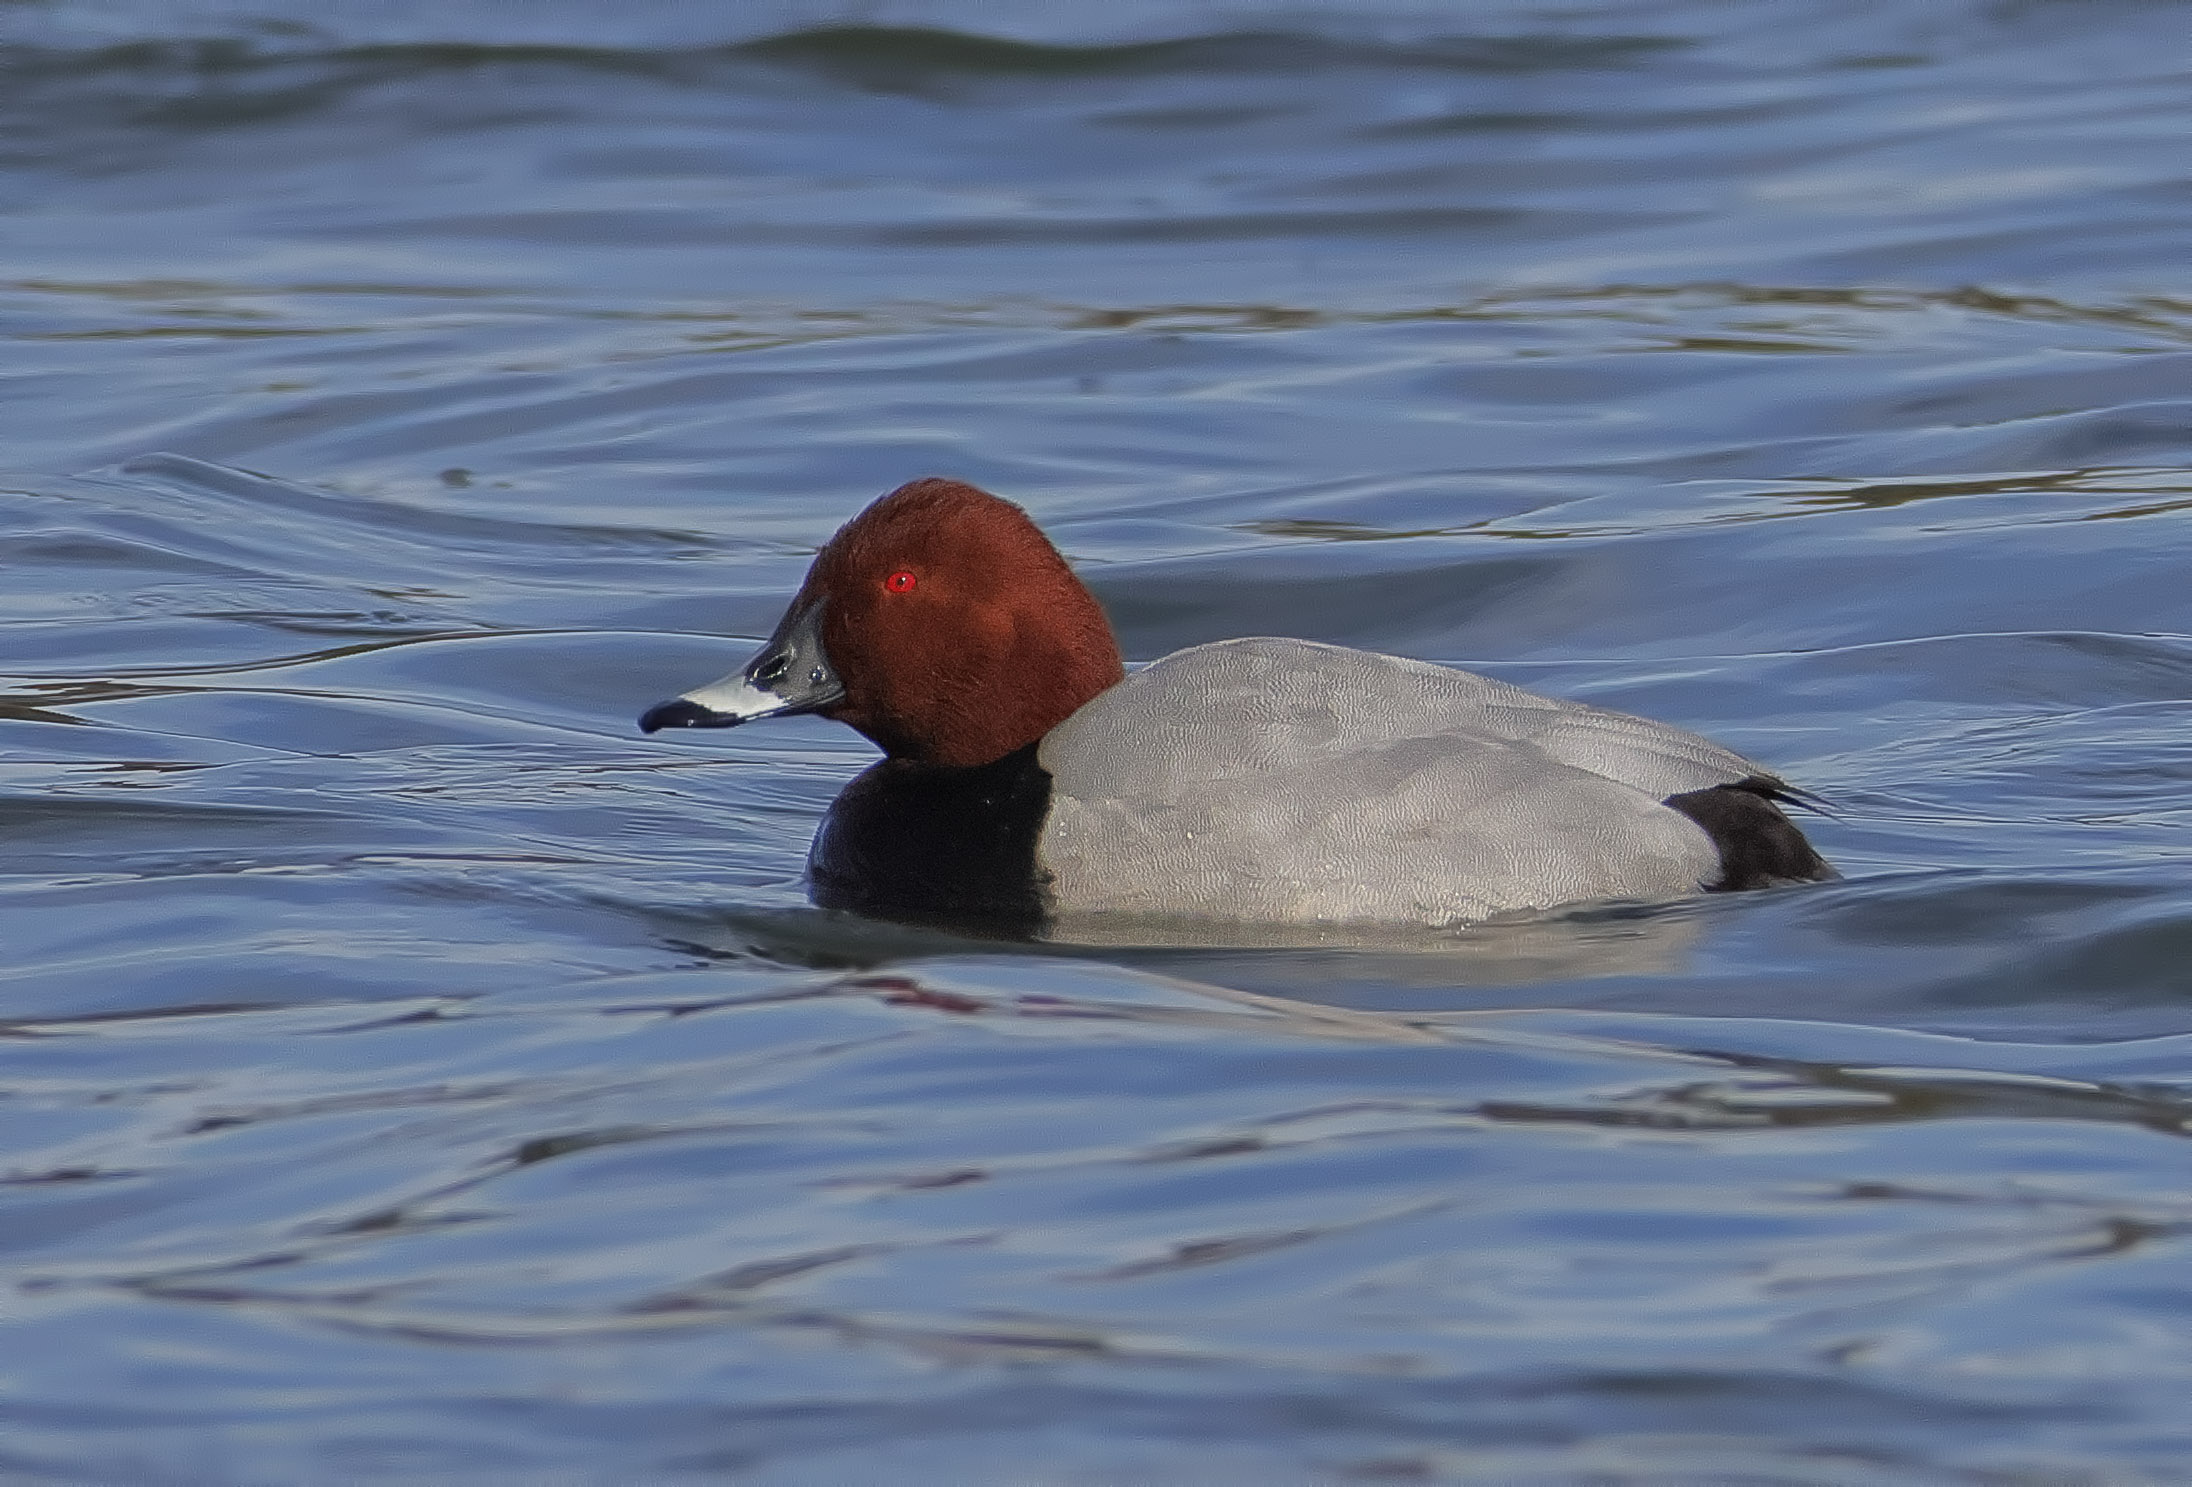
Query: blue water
{"points": [[409, 1073]]}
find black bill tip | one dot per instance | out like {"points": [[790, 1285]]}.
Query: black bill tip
{"points": [[680, 712]]}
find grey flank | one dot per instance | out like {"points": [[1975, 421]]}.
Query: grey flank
{"points": [[1273, 779]]}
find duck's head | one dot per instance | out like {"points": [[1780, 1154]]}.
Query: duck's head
{"points": [[940, 622]]}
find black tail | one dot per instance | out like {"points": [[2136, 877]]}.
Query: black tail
{"points": [[1759, 846]]}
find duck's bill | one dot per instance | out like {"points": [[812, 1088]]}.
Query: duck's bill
{"points": [[791, 674]]}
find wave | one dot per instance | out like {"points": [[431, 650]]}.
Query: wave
{"points": [[887, 57]]}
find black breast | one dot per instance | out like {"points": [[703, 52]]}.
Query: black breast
{"points": [[927, 844]]}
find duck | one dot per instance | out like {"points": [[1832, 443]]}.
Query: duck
{"points": [[1029, 780]]}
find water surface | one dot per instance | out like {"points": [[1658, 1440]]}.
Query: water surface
{"points": [[410, 1073]]}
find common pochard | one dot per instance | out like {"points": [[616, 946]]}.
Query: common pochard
{"points": [[1027, 777]]}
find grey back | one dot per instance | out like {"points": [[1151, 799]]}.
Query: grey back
{"points": [[1268, 779]]}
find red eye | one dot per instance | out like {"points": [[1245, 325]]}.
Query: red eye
{"points": [[900, 582]]}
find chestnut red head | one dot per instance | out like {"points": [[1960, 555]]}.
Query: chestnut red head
{"points": [[940, 622]]}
